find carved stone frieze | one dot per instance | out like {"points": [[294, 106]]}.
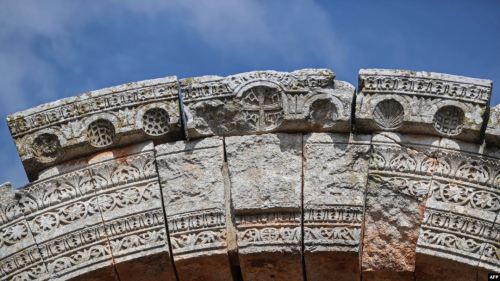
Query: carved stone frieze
{"points": [[95, 120], [421, 102], [20, 258], [266, 101], [99, 212], [399, 179], [261, 175]]}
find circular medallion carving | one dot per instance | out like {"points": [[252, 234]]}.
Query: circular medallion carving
{"points": [[323, 111], [449, 120], [389, 114], [155, 122], [46, 147], [101, 133], [262, 107]]}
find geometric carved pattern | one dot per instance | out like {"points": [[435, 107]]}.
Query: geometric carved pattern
{"points": [[268, 229], [337, 226], [197, 231], [449, 120], [101, 133], [262, 107], [155, 122]]}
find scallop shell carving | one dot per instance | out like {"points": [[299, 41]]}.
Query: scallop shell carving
{"points": [[389, 114]]}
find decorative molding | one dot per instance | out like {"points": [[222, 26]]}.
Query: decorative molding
{"points": [[284, 176]]}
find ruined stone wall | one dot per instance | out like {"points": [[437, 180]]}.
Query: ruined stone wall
{"points": [[259, 176]]}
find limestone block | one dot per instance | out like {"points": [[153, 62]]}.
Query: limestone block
{"points": [[127, 191], [460, 213], [335, 173], [66, 223], [421, 102], [194, 199], [101, 213], [399, 180], [69, 128], [19, 255], [266, 101], [490, 259], [265, 176], [493, 128]]}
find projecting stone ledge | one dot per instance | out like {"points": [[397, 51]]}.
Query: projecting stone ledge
{"points": [[493, 128], [266, 101], [422, 103], [272, 184], [95, 121]]}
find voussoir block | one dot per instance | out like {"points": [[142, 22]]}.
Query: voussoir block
{"points": [[265, 175], [195, 205], [335, 173]]}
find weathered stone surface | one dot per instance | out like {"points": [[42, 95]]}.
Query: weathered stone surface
{"points": [[335, 172], [20, 258], [194, 197], [421, 102], [102, 214], [460, 212], [399, 180], [286, 190], [266, 101], [76, 126], [129, 198], [265, 175], [490, 259], [493, 128], [66, 223]]}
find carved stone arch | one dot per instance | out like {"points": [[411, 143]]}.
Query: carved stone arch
{"points": [[437, 104], [241, 89], [401, 99], [101, 130]]}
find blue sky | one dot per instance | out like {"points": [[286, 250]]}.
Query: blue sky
{"points": [[54, 49]]}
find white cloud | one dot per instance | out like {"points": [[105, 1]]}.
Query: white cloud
{"points": [[253, 30], [292, 31]]}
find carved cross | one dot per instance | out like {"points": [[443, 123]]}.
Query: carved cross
{"points": [[263, 105]]}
